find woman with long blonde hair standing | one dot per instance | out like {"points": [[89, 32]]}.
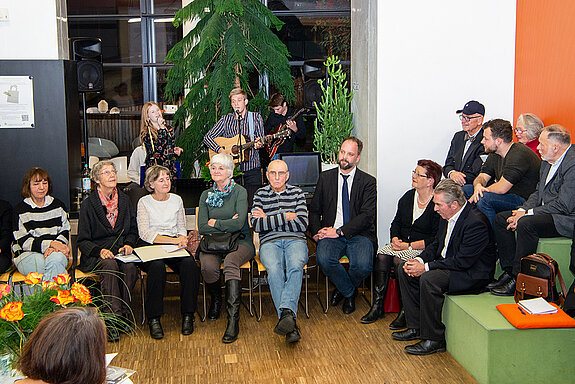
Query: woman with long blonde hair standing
{"points": [[158, 139]]}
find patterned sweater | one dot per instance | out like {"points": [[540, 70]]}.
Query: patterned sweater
{"points": [[36, 227], [275, 205]]}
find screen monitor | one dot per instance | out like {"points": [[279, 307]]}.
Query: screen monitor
{"points": [[304, 168]]}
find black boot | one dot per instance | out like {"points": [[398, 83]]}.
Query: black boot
{"points": [[399, 322], [233, 295], [377, 310], [215, 291]]}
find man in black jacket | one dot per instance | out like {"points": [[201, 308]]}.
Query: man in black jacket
{"points": [[463, 161], [461, 259], [342, 221]]}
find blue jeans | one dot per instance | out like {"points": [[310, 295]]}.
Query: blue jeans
{"points": [[50, 266], [359, 251], [284, 260], [493, 203]]}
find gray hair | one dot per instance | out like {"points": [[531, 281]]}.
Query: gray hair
{"points": [[97, 169], [532, 124], [226, 160], [558, 133], [451, 192], [152, 175]]}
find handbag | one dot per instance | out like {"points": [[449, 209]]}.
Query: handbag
{"points": [[219, 243], [536, 278]]}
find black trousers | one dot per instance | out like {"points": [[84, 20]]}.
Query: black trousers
{"points": [[189, 273], [529, 229], [252, 181], [423, 301]]}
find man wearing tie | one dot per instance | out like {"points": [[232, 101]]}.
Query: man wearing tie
{"points": [[463, 162], [549, 211], [342, 222], [461, 259]]}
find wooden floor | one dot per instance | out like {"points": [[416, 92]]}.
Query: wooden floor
{"points": [[335, 348]]}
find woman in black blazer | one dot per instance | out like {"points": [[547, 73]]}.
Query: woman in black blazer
{"points": [[414, 226]]}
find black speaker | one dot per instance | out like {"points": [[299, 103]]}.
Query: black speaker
{"points": [[87, 53]]}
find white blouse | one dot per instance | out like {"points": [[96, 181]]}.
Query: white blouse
{"points": [[161, 217]]}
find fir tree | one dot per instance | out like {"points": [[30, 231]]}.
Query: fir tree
{"points": [[232, 40]]}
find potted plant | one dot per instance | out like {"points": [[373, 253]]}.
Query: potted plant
{"points": [[334, 118]]}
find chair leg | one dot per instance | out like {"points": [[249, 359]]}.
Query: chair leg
{"points": [[203, 316], [142, 290], [306, 291]]}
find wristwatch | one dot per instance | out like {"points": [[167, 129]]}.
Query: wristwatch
{"points": [[411, 249], [339, 232]]}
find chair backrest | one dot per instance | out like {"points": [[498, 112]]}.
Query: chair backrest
{"points": [[121, 164], [92, 161]]}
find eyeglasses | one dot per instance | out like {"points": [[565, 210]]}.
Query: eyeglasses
{"points": [[467, 118], [520, 130], [419, 174], [108, 172]]}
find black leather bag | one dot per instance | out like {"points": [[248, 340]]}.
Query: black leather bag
{"points": [[536, 278], [220, 243]]}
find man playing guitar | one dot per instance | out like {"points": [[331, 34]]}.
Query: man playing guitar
{"points": [[281, 116], [251, 126]]}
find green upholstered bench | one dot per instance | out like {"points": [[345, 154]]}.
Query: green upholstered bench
{"points": [[493, 351]]}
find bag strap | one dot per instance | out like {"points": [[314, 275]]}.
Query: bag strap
{"points": [[550, 261]]}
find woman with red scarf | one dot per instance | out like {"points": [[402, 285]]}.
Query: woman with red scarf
{"points": [[107, 227]]}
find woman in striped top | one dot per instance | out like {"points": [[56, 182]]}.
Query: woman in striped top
{"points": [[41, 229]]}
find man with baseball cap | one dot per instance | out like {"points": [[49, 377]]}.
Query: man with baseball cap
{"points": [[463, 162]]}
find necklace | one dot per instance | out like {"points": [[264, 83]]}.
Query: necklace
{"points": [[422, 202]]}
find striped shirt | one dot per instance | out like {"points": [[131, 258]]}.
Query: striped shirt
{"points": [[227, 127], [275, 205], [36, 227]]}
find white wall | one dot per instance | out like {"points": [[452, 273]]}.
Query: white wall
{"points": [[31, 32], [433, 57]]}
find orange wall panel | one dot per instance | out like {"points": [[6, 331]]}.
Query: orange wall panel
{"points": [[545, 61]]}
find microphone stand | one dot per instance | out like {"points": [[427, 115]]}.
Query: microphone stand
{"points": [[241, 152]]}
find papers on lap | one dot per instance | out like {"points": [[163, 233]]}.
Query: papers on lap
{"points": [[157, 252], [538, 306]]}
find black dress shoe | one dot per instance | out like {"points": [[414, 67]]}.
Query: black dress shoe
{"points": [[187, 324], [426, 347], [399, 322], [156, 331], [336, 298], [286, 323], [507, 289], [293, 336], [349, 304], [407, 335], [113, 334], [503, 279]]}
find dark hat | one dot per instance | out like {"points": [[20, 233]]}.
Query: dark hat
{"points": [[472, 107]]}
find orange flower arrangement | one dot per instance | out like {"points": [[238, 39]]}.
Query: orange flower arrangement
{"points": [[19, 316]]}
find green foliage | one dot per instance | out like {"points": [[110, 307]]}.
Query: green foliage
{"points": [[232, 40], [334, 118]]}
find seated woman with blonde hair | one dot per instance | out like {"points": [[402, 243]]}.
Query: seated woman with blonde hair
{"points": [[67, 347], [162, 220]]}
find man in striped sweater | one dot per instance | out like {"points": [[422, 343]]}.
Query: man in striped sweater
{"points": [[279, 215]]}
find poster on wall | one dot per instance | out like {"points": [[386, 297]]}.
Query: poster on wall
{"points": [[16, 102]]}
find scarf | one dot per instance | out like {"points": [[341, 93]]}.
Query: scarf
{"points": [[111, 205], [216, 197]]}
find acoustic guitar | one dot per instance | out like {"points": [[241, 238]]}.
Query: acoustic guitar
{"points": [[241, 144], [272, 147]]}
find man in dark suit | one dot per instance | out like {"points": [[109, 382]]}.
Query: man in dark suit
{"points": [[461, 259], [342, 221], [463, 162], [549, 211]]}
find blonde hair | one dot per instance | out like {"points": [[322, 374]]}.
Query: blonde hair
{"points": [[145, 125], [152, 175]]}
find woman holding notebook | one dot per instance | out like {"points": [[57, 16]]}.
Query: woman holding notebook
{"points": [[161, 220]]}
